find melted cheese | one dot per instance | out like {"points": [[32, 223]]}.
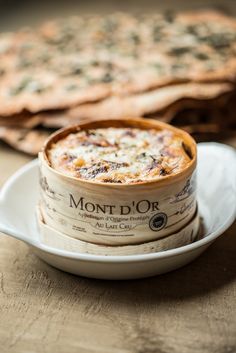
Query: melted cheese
{"points": [[119, 155]]}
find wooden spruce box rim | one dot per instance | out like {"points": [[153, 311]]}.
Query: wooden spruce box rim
{"points": [[145, 124], [53, 238], [112, 213]]}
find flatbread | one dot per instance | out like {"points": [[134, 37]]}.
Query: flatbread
{"points": [[23, 120], [219, 105], [53, 92], [147, 103], [85, 59], [25, 140], [163, 101]]}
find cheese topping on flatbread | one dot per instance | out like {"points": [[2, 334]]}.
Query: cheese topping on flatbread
{"points": [[119, 155]]}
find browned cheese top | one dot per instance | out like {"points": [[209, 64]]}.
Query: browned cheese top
{"points": [[119, 155]]}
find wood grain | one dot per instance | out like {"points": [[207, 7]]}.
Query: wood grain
{"points": [[45, 310]]}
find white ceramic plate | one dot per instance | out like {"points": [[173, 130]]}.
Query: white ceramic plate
{"points": [[217, 204]]}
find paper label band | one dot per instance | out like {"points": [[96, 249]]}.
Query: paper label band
{"points": [[115, 216]]}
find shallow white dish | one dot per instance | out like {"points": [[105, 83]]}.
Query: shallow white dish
{"points": [[217, 203]]}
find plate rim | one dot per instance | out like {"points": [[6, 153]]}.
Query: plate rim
{"points": [[114, 258]]}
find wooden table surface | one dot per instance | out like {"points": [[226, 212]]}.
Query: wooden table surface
{"points": [[44, 310]]}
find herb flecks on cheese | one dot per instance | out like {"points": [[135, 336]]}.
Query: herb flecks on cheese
{"points": [[119, 155]]}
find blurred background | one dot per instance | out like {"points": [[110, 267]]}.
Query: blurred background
{"points": [[17, 13]]}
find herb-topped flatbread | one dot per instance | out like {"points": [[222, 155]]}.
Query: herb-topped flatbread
{"points": [[142, 104], [148, 102], [85, 59], [25, 140]]}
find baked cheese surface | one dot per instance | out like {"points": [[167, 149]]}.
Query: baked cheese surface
{"points": [[119, 155]]}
